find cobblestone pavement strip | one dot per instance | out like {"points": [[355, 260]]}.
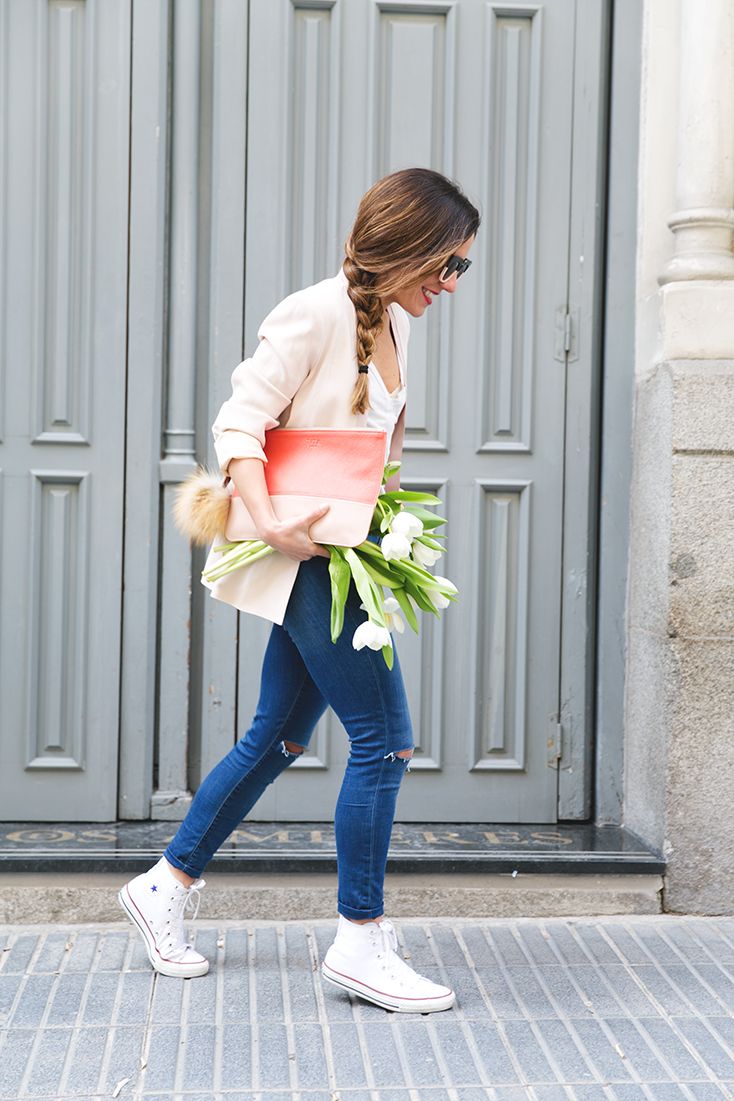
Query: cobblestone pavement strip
{"points": [[572, 1009]]}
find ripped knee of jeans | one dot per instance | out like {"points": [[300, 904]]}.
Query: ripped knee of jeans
{"points": [[405, 755], [290, 749]]}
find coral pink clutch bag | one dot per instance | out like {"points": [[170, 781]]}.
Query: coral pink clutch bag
{"points": [[307, 467]]}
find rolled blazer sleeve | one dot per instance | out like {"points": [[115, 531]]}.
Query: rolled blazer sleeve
{"points": [[263, 385]]}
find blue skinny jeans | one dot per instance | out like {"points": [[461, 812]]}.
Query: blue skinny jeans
{"points": [[304, 672]]}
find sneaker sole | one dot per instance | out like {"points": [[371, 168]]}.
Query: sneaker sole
{"points": [[397, 1005], [164, 967]]}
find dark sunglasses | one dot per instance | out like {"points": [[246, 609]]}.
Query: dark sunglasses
{"points": [[456, 265]]}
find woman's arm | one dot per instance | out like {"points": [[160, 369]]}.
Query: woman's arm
{"points": [[291, 341], [290, 537]]}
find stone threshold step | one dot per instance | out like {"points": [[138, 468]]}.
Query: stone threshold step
{"points": [[309, 847], [75, 898]]}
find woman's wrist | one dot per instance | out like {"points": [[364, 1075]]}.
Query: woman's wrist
{"points": [[248, 475], [268, 530]]}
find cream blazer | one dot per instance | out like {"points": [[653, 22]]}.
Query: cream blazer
{"points": [[301, 375]]}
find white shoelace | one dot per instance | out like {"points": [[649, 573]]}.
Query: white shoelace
{"points": [[193, 898], [391, 938], [191, 904], [399, 968]]}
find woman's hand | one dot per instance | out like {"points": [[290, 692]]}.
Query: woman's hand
{"points": [[291, 537]]}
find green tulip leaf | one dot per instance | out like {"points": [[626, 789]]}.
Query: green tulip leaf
{"points": [[366, 587], [419, 596], [379, 576], [408, 610], [415, 496], [341, 576], [428, 541], [429, 519]]}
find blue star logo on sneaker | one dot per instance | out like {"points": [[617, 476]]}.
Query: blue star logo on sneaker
{"points": [[154, 887]]}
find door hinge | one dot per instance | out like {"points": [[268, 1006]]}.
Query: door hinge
{"points": [[566, 334], [555, 741]]}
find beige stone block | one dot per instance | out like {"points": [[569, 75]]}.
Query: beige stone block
{"points": [[702, 547], [697, 320], [699, 844], [703, 406]]}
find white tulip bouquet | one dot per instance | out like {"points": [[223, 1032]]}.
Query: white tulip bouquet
{"points": [[402, 544]]}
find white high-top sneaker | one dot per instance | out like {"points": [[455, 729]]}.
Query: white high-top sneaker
{"points": [[365, 960], [155, 901]]}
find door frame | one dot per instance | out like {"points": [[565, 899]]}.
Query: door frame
{"points": [[617, 407], [571, 735], [592, 695]]}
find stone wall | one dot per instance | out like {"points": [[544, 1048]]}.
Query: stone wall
{"points": [[679, 700]]}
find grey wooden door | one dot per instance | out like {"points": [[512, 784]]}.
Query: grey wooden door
{"points": [[329, 95], [64, 115], [340, 94]]}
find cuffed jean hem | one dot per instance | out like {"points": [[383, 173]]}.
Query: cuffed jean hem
{"points": [[182, 867], [360, 915]]}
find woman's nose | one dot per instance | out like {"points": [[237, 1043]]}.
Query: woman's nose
{"points": [[450, 284]]}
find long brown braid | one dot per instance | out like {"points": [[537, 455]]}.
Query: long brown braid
{"points": [[369, 310], [407, 226]]}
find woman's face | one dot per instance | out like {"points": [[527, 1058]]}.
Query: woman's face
{"points": [[415, 298]]}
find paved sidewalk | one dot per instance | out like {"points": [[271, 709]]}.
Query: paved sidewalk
{"points": [[574, 1008]]}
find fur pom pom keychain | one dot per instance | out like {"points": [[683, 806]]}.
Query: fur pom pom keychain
{"points": [[201, 506]]}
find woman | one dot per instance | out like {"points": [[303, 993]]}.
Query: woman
{"points": [[330, 356]]}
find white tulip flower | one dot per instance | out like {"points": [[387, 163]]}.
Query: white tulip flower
{"points": [[395, 546], [439, 600], [445, 583], [372, 635], [425, 556], [393, 620], [390, 607], [407, 524]]}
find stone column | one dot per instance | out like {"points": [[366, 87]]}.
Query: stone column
{"points": [[697, 321], [679, 714]]}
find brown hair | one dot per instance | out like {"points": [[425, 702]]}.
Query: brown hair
{"points": [[407, 226]]}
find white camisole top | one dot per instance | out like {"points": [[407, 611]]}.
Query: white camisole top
{"points": [[385, 406]]}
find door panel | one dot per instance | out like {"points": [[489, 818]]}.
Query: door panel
{"points": [[65, 126], [484, 93]]}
